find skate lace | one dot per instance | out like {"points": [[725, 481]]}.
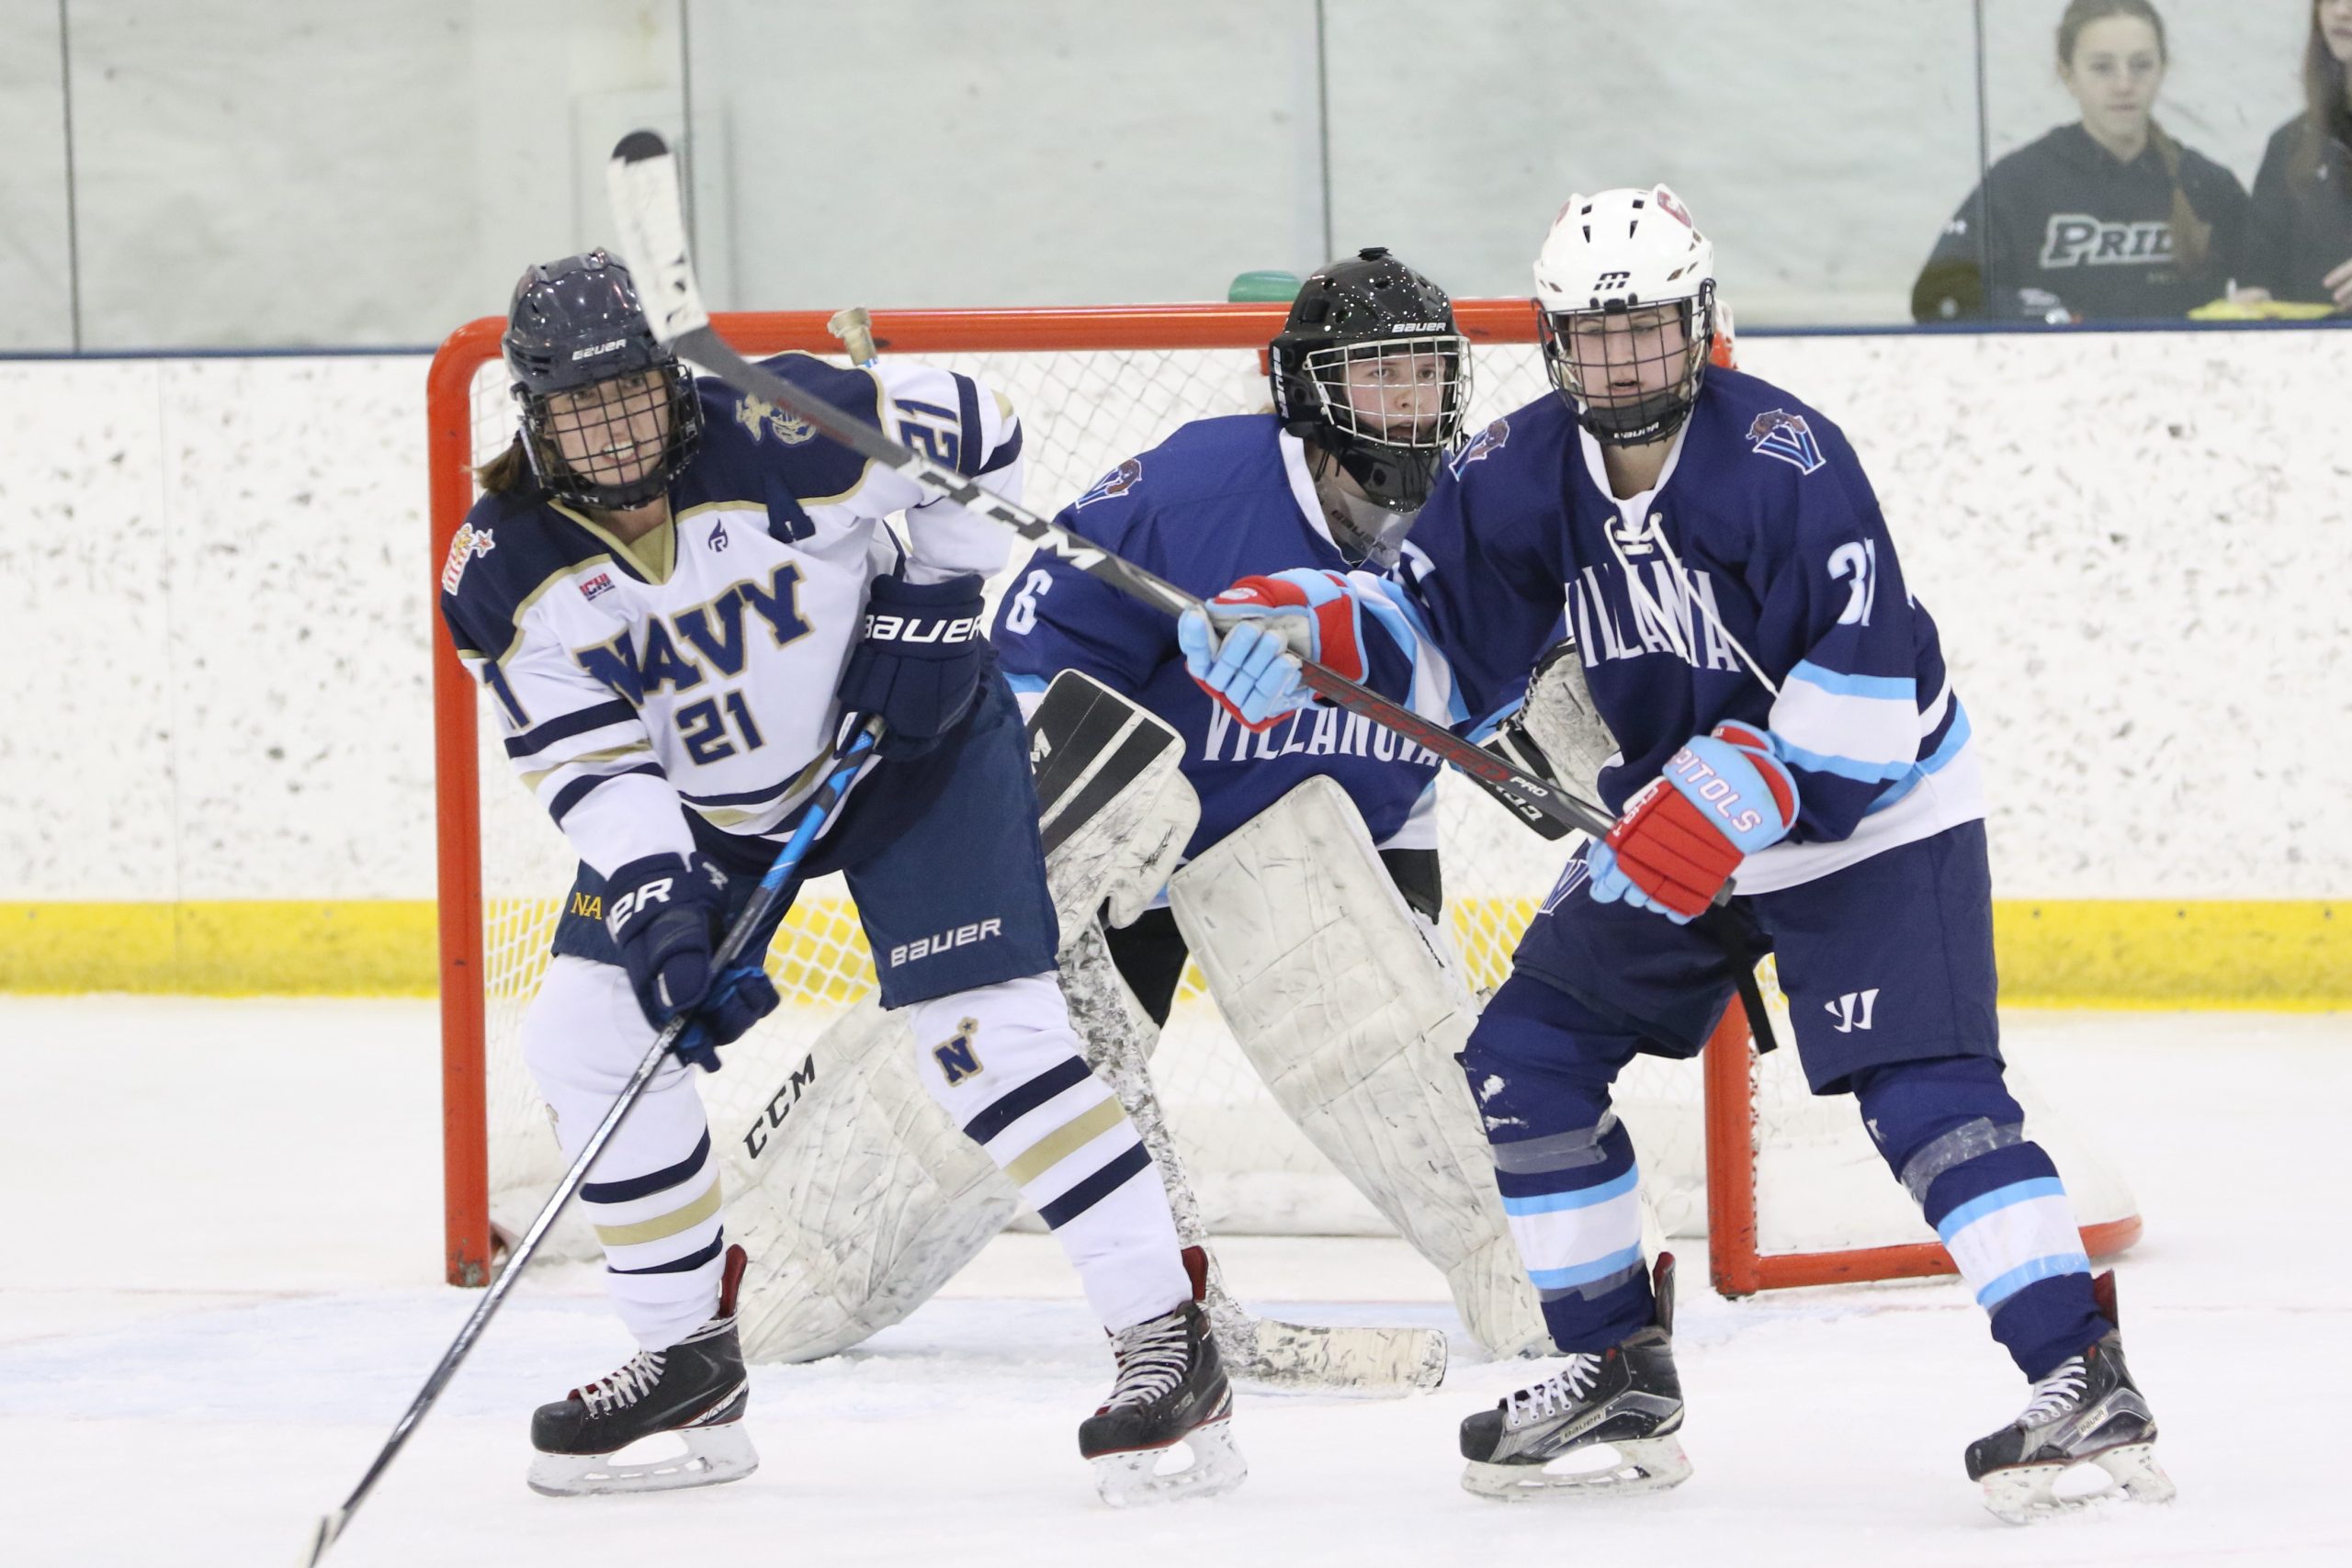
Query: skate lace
{"points": [[1563, 1391], [621, 1389], [1152, 1360], [2056, 1395]]}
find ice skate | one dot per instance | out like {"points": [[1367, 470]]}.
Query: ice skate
{"points": [[1171, 1390], [1609, 1420], [695, 1389], [2087, 1412]]}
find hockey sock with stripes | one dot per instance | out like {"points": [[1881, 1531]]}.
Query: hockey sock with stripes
{"points": [[1955, 1138]]}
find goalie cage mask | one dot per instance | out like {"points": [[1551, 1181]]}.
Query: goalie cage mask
{"points": [[575, 324], [1374, 324]]}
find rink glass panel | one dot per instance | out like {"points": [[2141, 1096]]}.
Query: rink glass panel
{"points": [[1799, 1196]]}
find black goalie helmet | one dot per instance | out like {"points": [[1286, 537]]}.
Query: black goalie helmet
{"points": [[609, 415], [1370, 369]]}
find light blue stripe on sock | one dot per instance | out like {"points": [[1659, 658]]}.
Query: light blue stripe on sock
{"points": [[1583, 1198], [2024, 1274], [2000, 1198], [1585, 1273]]}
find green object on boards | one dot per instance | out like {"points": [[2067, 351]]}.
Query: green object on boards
{"points": [[1264, 286]]}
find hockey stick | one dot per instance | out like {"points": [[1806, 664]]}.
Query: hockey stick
{"points": [[1263, 1349], [642, 179], [748, 924]]}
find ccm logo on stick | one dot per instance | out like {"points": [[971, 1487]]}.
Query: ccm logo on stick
{"points": [[930, 946]]}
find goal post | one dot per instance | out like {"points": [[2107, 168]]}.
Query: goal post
{"points": [[1786, 1188]]}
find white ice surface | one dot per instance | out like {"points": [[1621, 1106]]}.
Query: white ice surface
{"points": [[219, 1292]]}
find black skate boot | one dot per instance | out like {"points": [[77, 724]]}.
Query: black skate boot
{"points": [[2088, 1411], [695, 1388], [1170, 1389], [1615, 1414]]}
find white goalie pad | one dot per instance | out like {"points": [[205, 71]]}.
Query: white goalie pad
{"points": [[1342, 1000], [853, 1193]]}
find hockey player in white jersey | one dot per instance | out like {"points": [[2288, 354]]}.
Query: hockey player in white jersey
{"points": [[681, 600]]}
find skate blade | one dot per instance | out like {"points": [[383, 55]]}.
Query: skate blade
{"points": [[712, 1455], [2028, 1493], [1134, 1479], [1651, 1464]]}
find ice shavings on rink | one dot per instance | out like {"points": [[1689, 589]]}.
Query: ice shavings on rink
{"points": [[220, 1294]]}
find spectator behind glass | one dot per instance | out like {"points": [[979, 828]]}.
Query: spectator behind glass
{"points": [[2108, 217], [2298, 245]]}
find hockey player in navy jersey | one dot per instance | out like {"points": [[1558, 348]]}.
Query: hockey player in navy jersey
{"points": [[681, 599], [1369, 383], [1786, 728]]}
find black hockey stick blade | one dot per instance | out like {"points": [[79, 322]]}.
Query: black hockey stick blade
{"points": [[642, 182]]}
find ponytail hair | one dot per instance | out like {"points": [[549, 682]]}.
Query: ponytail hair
{"points": [[2192, 237], [508, 472]]}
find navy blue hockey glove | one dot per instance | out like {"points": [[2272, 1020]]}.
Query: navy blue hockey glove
{"points": [[666, 913], [917, 664], [743, 995]]}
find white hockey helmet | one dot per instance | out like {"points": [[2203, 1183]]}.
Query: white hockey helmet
{"points": [[1625, 303]]}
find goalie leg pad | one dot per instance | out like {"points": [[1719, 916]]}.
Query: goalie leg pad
{"points": [[653, 1194], [1005, 1064], [855, 1195], [1342, 1003]]}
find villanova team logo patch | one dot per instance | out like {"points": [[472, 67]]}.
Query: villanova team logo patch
{"points": [[1485, 444], [1780, 434], [1118, 481]]}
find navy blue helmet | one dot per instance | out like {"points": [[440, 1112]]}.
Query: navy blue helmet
{"points": [[609, 415]]}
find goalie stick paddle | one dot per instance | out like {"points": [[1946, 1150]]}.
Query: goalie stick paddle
{"points": [[643, 181], [747, 926]]}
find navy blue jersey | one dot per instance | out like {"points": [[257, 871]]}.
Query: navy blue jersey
{"points": [[2301, 222], [2061, 221], [1764, 517], [1220, 499]]}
